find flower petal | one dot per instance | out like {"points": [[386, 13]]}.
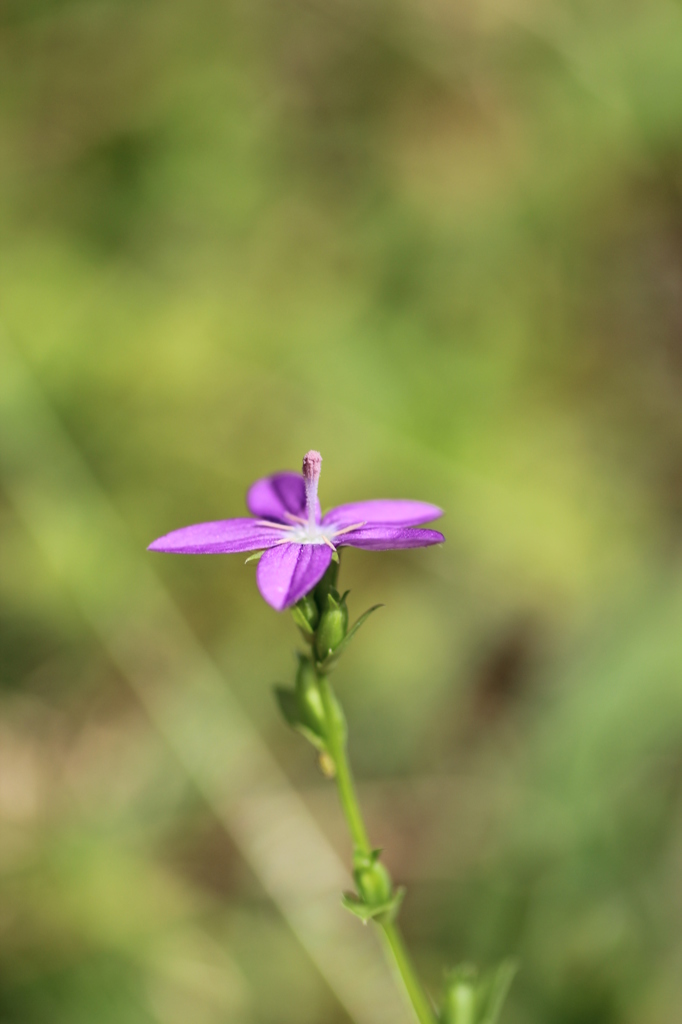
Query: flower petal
{"points": [[287, 572], [396, 512], [387, 538], [226, 536], [274, 496]]}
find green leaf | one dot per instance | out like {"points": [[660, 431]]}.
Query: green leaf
{"points": [[366, 912], [254, 557], [312, 737], [288, 705], [395, 904], [331, 659], [500, 984]]}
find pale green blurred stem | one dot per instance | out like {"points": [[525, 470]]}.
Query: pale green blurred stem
{"points": [[395, 944], [393, 940]]}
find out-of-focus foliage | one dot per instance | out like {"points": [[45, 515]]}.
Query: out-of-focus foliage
{"points": [[442, 243]]}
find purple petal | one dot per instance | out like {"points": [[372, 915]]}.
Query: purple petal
{"points": [[386, 538], [226, 536], [274, 496], [287, 572], [396, 512]]}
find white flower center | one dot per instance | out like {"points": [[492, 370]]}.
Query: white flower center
{"points": [[311, 533]]}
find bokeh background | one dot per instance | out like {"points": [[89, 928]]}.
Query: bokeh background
{"points": [[441, 241]]}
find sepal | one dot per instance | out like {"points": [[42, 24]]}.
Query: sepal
{"points": [[333, 625], [327, 583], [306, 615]]}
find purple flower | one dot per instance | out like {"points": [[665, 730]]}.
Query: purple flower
{"points": [[297, 541]]}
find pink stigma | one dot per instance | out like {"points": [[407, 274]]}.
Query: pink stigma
{"points": [[312, 465]]}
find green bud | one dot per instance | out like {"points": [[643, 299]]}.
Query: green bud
{"points": [[473, 998], [308, 696], [333, 625], [372, 879], [460, 1005], [306, 614]]}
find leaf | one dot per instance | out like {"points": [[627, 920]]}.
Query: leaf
{"points": [[500, 984], [357, 906], [394, 905], [288, 705], [366, 912], [358, 623], [331, 659], [312, 737], [254, 557]]}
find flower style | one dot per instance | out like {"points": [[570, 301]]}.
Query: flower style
{"points": [[297, 541]]}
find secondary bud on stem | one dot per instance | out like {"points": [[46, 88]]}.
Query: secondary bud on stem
{"points": [[474, 998], [372, 879], [377, 899], [309, 698], [333, 625], [461, 997]]}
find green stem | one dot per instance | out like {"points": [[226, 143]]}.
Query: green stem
{"points": [[395, 943], [344, 777], [393, 940]]}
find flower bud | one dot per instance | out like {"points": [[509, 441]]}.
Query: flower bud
{"points": [[460, 1005], [473, 998], [308, 696], [333, 625], [372, 879]]}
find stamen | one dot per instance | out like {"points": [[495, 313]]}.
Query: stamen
{"points": [[347, 529], [327, 541], [275, 526], [312, 464], [296, 519]]}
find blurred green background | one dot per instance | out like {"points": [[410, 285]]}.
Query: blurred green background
{"points": [[442, 243]]}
